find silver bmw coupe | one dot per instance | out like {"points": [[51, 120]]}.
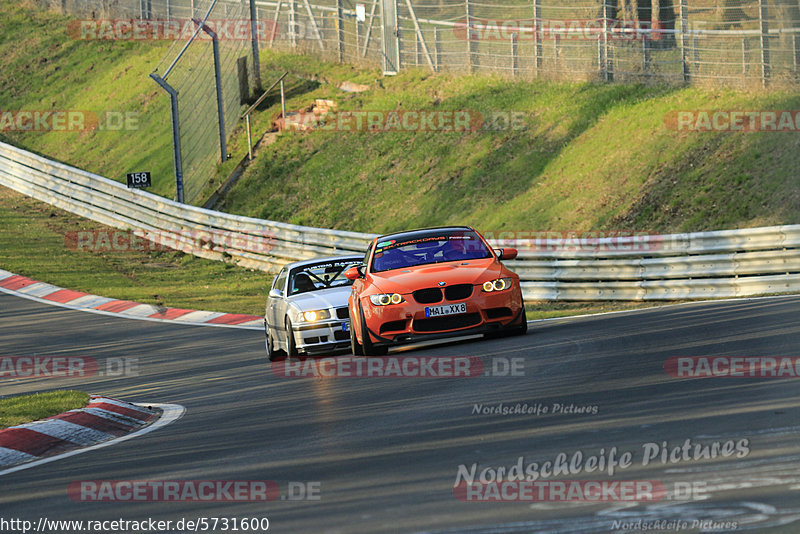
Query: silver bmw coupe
{"points": [[306, 310]]}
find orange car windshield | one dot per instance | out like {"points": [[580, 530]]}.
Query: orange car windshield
{"points": [[431, 248]]}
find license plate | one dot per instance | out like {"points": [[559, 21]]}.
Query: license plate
{"points": [[344, 327], [448, 309]]}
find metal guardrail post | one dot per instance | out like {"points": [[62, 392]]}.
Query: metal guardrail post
{"points": [[283, 101], [176, 135]]}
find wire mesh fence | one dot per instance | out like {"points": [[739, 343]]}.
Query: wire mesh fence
{"points": [[732, 42], [188, 67]]}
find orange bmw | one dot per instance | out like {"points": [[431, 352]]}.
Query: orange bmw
{"points": [[432, 283]]}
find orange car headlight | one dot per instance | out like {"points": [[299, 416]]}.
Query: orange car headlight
{"points": [[384, 299], [498, 285]]}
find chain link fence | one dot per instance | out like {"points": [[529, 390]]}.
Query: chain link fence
{"points": [[189, 68], [735, 42]]}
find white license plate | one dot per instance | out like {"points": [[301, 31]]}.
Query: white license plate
{"points": [[447, 309]]}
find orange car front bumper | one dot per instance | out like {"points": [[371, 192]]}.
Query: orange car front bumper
{"points": [[407, 321]]}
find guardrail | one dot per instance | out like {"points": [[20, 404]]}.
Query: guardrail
{"points": [[726, 263]]}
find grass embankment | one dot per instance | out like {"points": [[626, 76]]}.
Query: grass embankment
{"points": [[26, 408], [590, 156]]}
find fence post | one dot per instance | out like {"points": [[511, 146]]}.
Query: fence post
{"points": [[600, 58], [514, 62], [468, 8], [275, 19], [340, 29], [292, 24], [437, 49], [313, 22], [796, 52], [417, 58], [556, 50], [420, 39], [176, 135], [358, 36], [608, 67], [764, 23], [254, 43], [223, 143], [646, 53], [369, 28], [682, 36], [745, 53], [400, 44], [537, 36]]}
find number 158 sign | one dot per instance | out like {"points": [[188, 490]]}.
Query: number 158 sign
{"points": [[139, 179]]}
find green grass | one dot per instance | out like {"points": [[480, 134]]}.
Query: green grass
{"points": [[33, 243], [27, 408]]}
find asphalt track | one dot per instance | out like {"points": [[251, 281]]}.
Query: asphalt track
{"points": [[385, 451]]}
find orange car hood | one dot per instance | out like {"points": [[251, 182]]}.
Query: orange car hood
{"points": [[453, 272]]}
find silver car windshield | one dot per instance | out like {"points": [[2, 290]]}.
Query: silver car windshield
{"points": [[318, 276]]}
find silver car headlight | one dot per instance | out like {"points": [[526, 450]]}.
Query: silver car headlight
{"points": [[314, 315]]}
